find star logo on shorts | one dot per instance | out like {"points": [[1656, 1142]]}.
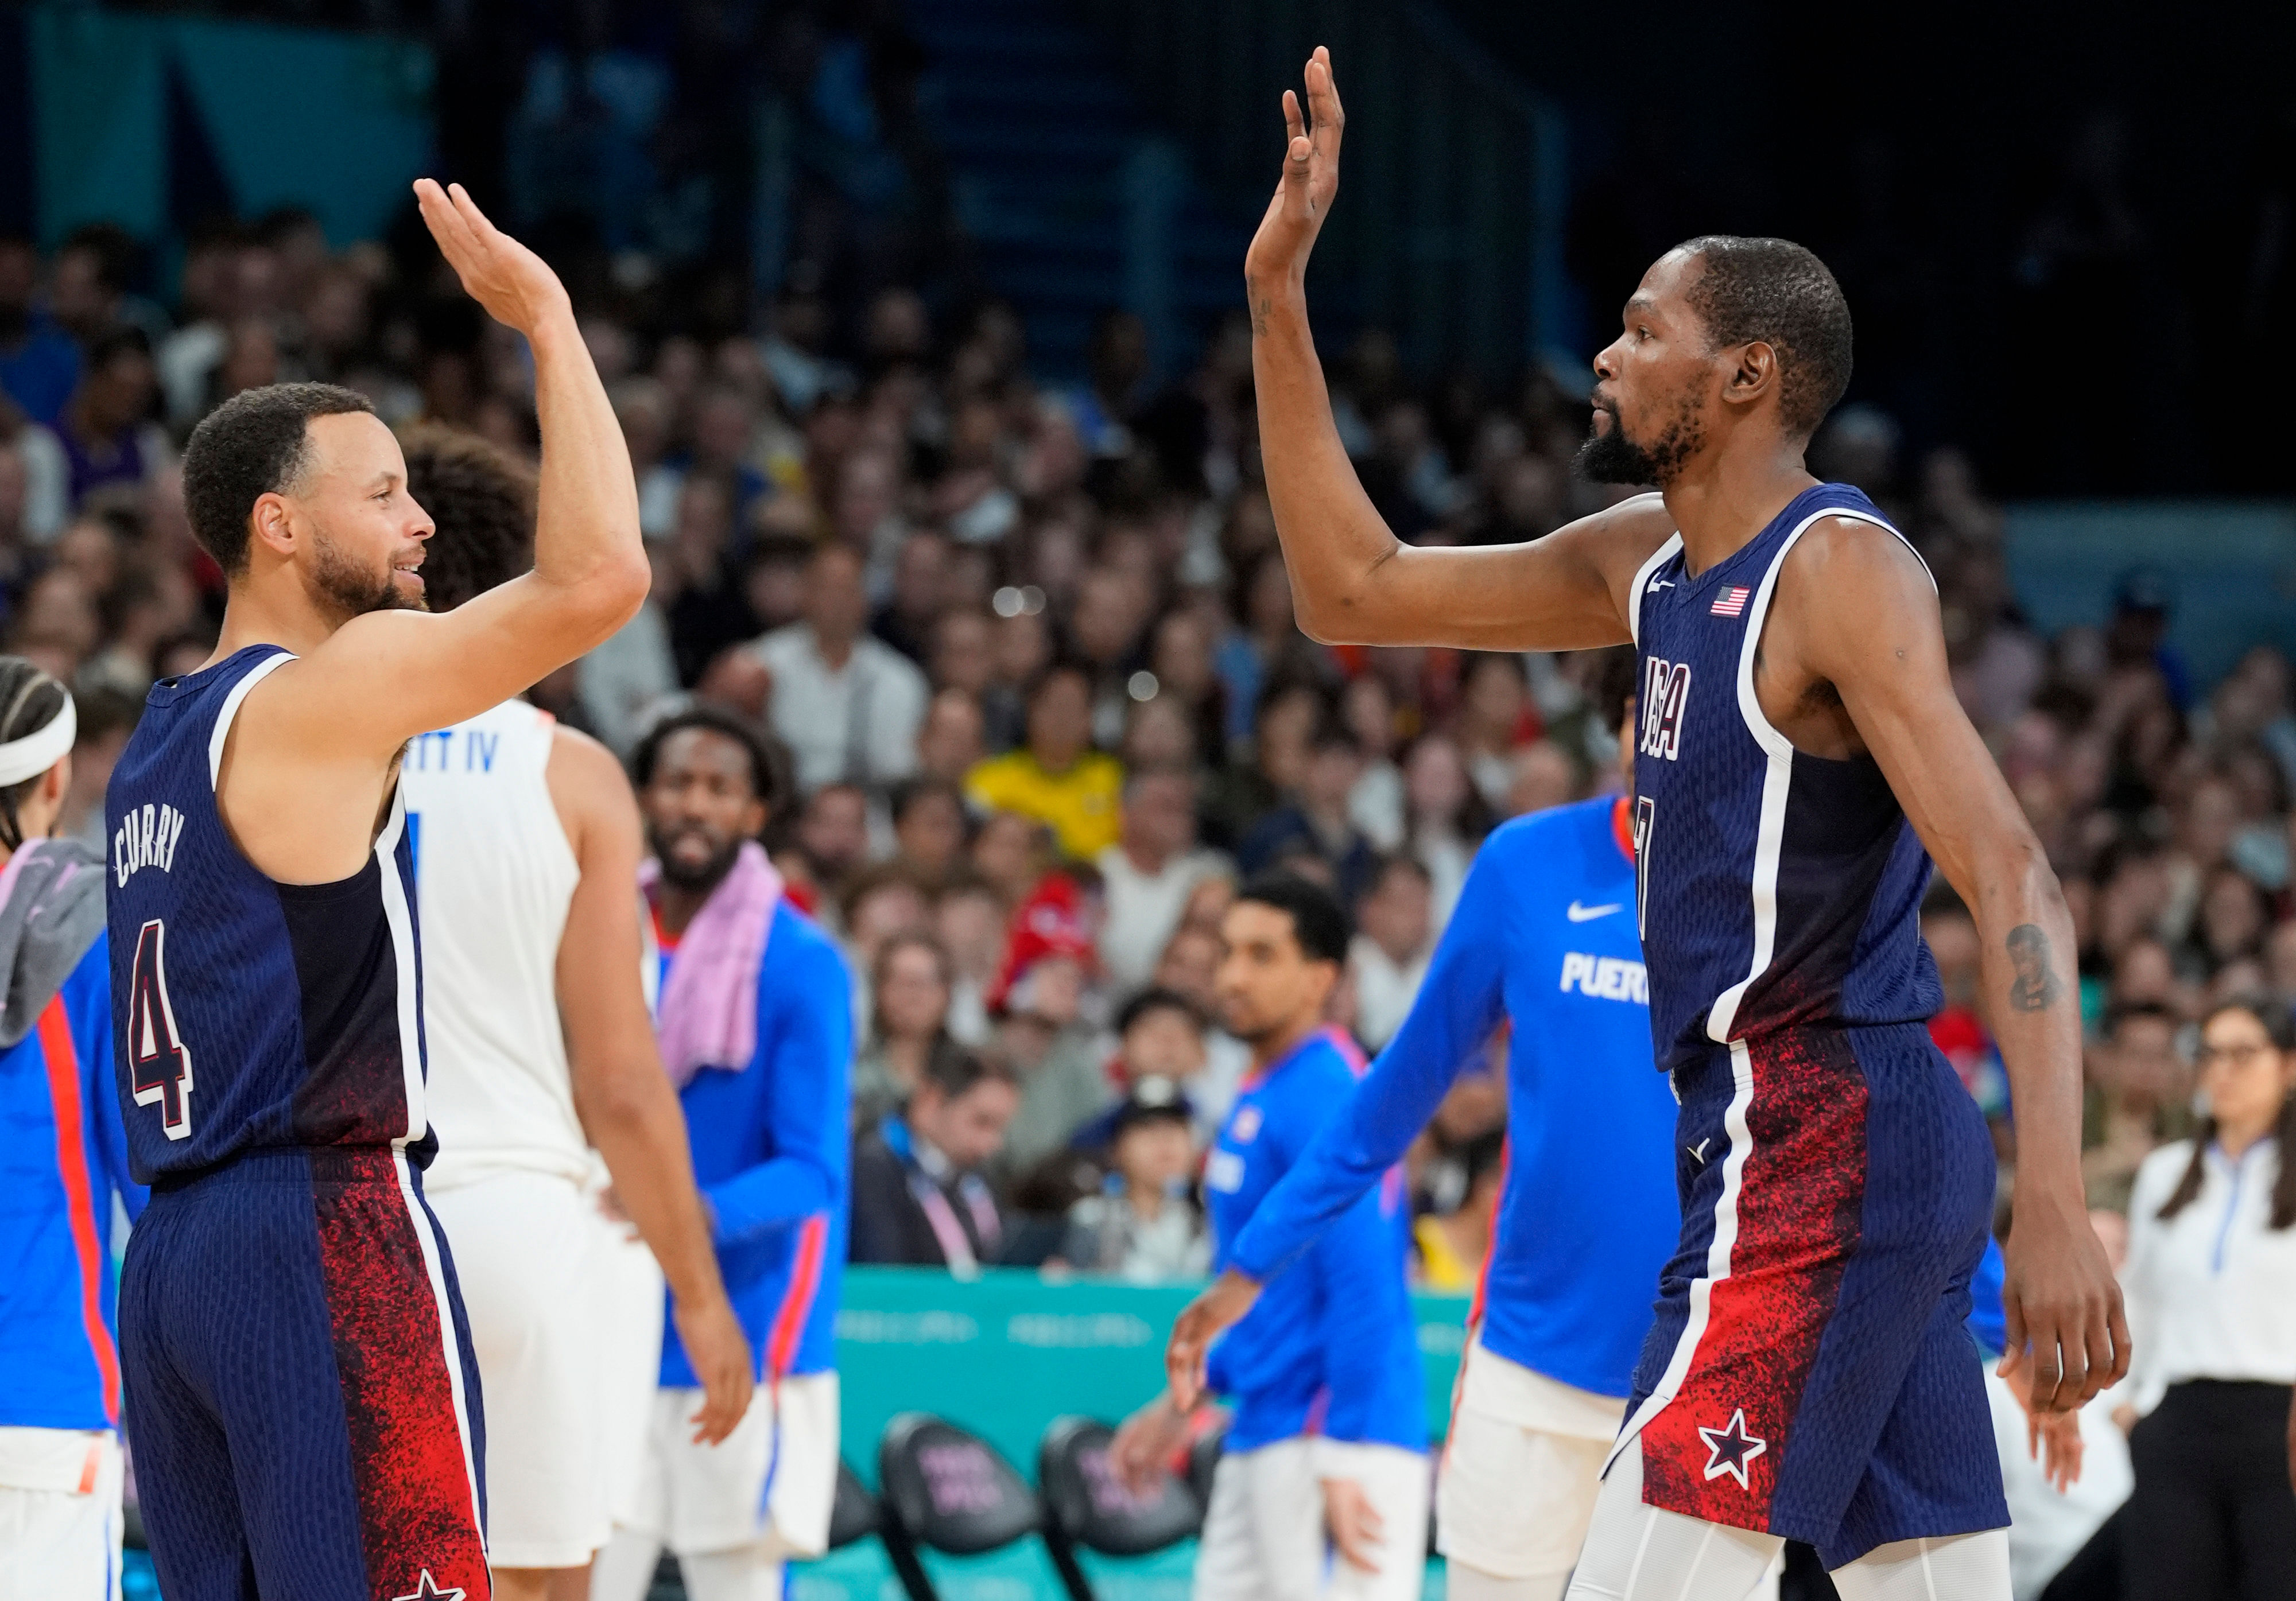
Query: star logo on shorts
{"points": [[1731, 1448], [426, 1589]]}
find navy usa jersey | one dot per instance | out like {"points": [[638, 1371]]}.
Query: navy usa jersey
{"points": [[1776, 889], [249, 1014]]}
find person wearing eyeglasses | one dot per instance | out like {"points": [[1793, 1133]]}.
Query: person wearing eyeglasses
{"points": [[2211, 1291]]}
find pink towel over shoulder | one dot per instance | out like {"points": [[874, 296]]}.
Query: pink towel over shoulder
{"points": [[707, 1015]]}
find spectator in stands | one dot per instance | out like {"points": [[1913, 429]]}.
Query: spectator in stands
{"points": [[1057, 778], [928, 827], [949, 745], [847, 704], [1394, 942], [910, 987], [2212, 1313], [919, 1196], [111, 447], [834, 833], [1145, 1226], [970, 918], [1318, 820], [2139, 1093], [39, 363], [1148, 874], [1445, 819], [1041, 1033]]}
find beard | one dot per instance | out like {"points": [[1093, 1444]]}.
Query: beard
{"points": [[342, 585], [1612, 458], [695, 878]]}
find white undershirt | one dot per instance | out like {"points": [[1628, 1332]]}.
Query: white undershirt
{"points": [[2212, 1291]]}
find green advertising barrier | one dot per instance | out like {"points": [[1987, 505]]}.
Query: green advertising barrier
{"points": [[1003, 1355]]}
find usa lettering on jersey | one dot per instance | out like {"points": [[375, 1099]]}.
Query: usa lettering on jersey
{"points": [[1666, 690], [146, 839], [1606, 977]]}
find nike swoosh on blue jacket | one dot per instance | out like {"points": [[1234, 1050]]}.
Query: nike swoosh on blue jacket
{"points": [[1589, 1215]]}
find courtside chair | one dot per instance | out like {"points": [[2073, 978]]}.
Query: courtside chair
{"points": [[1088, 1508], [855, 1515], [941, 1488]]}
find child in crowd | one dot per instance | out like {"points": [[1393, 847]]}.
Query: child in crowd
{"points": [[1146, 1225]]}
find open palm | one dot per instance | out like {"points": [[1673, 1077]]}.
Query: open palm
{"points": [[1311, 179]]}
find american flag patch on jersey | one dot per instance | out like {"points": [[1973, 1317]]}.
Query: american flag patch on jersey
{"points": [[1732, 602]]}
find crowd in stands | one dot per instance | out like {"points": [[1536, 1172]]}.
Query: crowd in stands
{"points": [[1031, 653]]}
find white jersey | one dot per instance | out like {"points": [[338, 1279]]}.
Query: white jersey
{"points": [[494, 875]]}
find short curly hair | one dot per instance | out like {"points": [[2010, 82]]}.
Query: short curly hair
{"points": [[255, 444], [481, 499], [1780, 293]]}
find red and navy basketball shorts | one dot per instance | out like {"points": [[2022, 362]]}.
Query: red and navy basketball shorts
{"points": [[303, 1402], [1809, 1373]]}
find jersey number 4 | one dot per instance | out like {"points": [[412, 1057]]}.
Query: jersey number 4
{"points": [[162, 1060]]}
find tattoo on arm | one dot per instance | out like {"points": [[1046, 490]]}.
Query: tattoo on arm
{"points": [[1259, 316], [2036, 987]]}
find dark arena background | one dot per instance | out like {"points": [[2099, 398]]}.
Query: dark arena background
{"points": [[924, 322]]}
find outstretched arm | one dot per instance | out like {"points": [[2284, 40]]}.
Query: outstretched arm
{"points": [[590, 571], [1352, 581], [1865, 619], [620, 1092]]}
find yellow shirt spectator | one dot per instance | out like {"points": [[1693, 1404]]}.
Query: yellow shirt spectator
{"points": [[1082, 803]]}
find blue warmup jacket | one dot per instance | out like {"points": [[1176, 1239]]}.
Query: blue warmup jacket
{"points": [[1332, 1348], [63, 1155], [1543, 935], [772, 1152]]}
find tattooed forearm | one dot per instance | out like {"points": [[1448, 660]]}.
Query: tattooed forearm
{"points": [[2035, 985], [1259, 309]]}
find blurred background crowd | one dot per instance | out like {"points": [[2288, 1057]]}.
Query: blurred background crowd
{"points": [[1028, 647]]}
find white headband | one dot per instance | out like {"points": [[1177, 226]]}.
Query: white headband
{"points": [[41, 749]]}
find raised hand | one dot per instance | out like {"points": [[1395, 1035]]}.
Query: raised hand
{"points": [[516, 286], [1311, 179]]}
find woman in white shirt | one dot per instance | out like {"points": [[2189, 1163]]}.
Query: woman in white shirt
{"points": [[2211, 1293]]}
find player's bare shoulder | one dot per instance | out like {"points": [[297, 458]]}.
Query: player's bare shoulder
{"points": [[588, 787], [1849, 586]]}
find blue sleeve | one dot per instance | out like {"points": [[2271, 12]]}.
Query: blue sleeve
{"points": [[1460, 1002], [88, 1004], [1357, 1259], [805, 1047]]}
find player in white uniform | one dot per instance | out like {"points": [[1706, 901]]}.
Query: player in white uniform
{"points": [[527, 842]]}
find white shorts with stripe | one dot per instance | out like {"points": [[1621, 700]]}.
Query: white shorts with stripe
{"points": [[1264, 1538], [1521, 1468], [770, 1484], [60, 1518]]}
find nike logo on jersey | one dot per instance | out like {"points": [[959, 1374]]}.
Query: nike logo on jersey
{"points": [[1587, 914], [146, 839], [1606, 977], [1657, 584]]}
